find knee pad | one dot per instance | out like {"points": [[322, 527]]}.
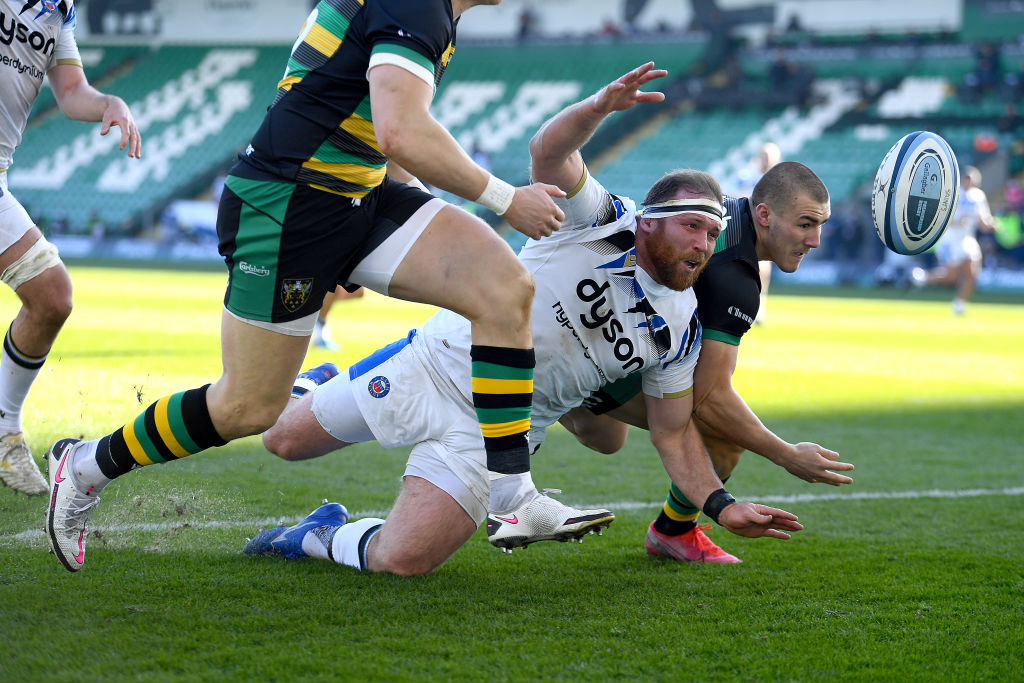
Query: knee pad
{"points": [[40, 256]]}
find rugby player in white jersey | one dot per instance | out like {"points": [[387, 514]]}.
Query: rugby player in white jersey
{"points": [[958, 251], [612, 299], [36, 39]]}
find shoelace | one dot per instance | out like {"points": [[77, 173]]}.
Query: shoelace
{"points": [[701, 540], [75, 512], [545, 492]]}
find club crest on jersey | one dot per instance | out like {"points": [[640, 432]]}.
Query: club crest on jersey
{"points": [[46, 6], [379, 386], [295, 293]]}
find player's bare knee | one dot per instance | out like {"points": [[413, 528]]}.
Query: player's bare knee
{"points": [[51, 311], [244, 417], [407, 564], [275, 442], [280, 441], [508, 304]]}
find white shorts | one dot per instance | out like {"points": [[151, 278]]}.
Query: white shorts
{"points": [[14, 220], [404, 402], [955, 251]]}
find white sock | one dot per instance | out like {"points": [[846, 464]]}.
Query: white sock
{"points": [[349, 544], [509, 491], [17, 372], [315, 542], [84, 467]]}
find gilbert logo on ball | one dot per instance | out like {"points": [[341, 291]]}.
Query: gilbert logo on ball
{"points": [[915, 192]]}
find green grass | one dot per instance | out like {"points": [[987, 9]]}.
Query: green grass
{"points": [[915, 586]]}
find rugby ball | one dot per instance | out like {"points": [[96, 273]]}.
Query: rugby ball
{"points": [[915, 192]]}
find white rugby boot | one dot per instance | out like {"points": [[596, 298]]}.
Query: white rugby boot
{"points": [[70, 507], [543, 518], [17, 468]]}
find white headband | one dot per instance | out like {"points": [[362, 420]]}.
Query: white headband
{"points": [[674, 207]]}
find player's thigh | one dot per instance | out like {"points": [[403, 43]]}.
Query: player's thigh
{"points": [[28, 263], [260, 366], [17, 230], [423, 249], [459, 262]]}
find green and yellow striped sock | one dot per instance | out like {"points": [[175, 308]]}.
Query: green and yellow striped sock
{"points": [[678, 515], [503, 399], [174, 427]]}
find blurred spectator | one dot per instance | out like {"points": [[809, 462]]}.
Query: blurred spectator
{"points": [[987, 74], [610, 29], [480, 156], [846, 232], [95, 226], [1008, 235], [60, 225], [527, 23]]}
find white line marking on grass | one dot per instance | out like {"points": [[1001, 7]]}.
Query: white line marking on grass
{"points": [[857, 495], [254, 524]]}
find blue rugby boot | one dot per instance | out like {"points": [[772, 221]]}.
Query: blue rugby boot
{"points": [[309, 538], [314, 377]]}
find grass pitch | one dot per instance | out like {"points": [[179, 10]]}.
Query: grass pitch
{"points": [[916, 572]]}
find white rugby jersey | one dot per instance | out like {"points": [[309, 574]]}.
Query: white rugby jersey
{"points": [[972, 204], [597, 317], [35, 36]]}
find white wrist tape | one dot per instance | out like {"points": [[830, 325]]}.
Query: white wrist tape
{"points": [[497, 196]]}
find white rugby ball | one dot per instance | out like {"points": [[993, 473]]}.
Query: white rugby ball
{"points": [[915, 192]]}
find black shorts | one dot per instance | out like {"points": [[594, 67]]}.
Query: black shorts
{"points": [[287, 245], [614, 395]]}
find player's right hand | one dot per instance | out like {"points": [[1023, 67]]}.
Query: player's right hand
{"points": [[533, 211], [754, 520]]}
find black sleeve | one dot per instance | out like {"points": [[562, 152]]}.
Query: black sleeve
{"points": [[728, 296], [423, 26]]}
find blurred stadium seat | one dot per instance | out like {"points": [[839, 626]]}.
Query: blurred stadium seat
{"points": [[849, 95]]}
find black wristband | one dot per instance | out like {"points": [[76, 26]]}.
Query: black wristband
{"points": [[717, 502]]}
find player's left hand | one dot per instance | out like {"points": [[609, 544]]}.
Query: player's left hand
{"points": [[814, 463], [118, 114], [754, 520], [624, 92]]}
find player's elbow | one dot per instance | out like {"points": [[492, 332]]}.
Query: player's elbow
{"points": [[393, 138]]}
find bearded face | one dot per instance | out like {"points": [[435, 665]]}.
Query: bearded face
{"points": [[675, 256]]}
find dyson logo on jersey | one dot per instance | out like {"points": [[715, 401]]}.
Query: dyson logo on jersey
{"points": [[601, 317], [11, 29]]}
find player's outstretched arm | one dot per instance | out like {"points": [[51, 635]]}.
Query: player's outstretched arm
{"points": [[82, 102], [407, 133], [721, 411], [677, 440], [554, 150]]}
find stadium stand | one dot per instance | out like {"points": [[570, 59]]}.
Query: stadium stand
{"points": [[834, 101], [196, 107]]}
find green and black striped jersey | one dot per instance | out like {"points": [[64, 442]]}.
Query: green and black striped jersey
{"points": [[729, 290], [319, 129]]}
